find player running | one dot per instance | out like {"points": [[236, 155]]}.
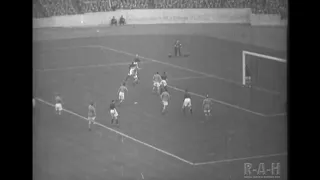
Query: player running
{"points": [[121, 92], [58, 105], [113, 113], [163, 82], [132, 68], [133, 72], [186, 102], [207, 103], [91, 115], [135, 77], [165, 97], [136, 61], [156, 82]]}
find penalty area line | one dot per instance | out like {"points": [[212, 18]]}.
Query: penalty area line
{"points": [[122, 134], [240, 159], [230, 105], [187, 78]]}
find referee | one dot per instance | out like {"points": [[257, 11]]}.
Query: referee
{"points": [[177, 48]]}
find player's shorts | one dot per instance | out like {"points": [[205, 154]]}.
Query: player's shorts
{"points": [[156, 84], [206, 108], [187, 102], [135, 76], [121, 95], [165, 103], [248, 78], [131, 72], [163, 82], [58, 107], [135, 63], [91, 119], [114, 113]]}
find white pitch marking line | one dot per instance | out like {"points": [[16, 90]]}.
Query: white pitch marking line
{"points": [[240, 159], [168, 64], [227, 104], [183, 68], [187, 78], [179, 67], [207, 75], [120, 133]]}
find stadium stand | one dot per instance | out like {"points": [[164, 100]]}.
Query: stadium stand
{"points": [[48, 8]]}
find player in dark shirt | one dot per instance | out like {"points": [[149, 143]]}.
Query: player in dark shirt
{"points": [[186, 102], [136, 61], [113, 112], [91, 114], [177, 48], [164, 76]]}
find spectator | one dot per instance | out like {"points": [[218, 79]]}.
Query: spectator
{"points": [[47, 8]]}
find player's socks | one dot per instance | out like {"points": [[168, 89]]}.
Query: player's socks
{"points": [[190, 111]]}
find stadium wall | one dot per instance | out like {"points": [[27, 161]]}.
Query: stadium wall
{"points": [[155, 16], [267, 20]]}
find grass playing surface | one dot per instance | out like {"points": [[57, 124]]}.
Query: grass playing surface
{"points": [[93, 68]]}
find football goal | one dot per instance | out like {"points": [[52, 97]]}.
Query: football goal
{"points": [[263, 71]]}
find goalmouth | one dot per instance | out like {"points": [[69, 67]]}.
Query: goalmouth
{"points": [[264, 71]]}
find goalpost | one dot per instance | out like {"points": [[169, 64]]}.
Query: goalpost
{"points": [[266, 71]]}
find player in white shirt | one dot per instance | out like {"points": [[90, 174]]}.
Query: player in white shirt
{"points": [[187, 102], [121, 92], [58, 105], [91, 115], [113, 112], [165, 97], [206, 105], [156, 82]]}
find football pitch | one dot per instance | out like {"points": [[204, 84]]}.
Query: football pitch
{"points": [[246, 126]]}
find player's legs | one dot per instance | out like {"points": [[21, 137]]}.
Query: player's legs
{"points": [[154, 86], [248, 81], [184, 105], [91, 121], [207, 110], [116, 117], [121, 97], [135, 78], [58, 108], [112, 115], [165, 104], [187, 104]]}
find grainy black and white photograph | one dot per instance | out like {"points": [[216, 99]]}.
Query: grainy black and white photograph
{"points": [[160, 89]]}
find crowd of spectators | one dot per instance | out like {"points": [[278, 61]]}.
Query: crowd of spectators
{"points": [[47, 8]]}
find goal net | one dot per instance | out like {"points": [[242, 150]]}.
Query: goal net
{"points": [[265, 72]]}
